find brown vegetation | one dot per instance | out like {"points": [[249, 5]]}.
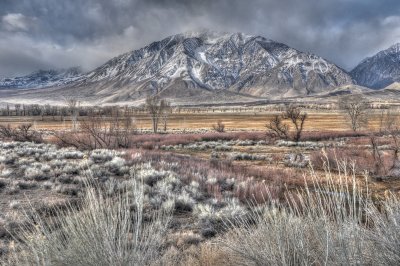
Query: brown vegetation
{"points": [[297, 118]]}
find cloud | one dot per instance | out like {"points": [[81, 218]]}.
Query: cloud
{"points": [[51, 33], [17, 22]]}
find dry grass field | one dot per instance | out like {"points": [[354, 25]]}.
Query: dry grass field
{"points": [[332, 120]]}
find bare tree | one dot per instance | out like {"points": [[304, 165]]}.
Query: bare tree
{"points": [[23, 132], [6, 132], [396, 151], [99, 132], [297, 118], [378, 157], [155, 106], [277, 128], [356, 108], [72, 105], [165, 115], [387, 121], [219, 127], [17, 109]]}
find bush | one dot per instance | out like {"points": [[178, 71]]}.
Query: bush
{"points": [[320, 225], [219, 127], [102, 231]]}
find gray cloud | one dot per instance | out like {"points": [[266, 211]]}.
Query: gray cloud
{"points": [[17, 22], [54, 34]]}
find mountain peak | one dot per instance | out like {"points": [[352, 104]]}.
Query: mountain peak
{"points": [[198, 63], [43, 78], [395, 48], [380, 70]]}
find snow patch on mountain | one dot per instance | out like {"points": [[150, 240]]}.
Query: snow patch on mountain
{"points": [[187, 64], [42, 79], [380, 70]]}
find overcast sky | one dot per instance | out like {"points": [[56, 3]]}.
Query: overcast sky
{"points": [[46, 34]]}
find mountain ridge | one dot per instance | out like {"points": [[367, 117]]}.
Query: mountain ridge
{"points": [[380, 70], [42, 78], [200, 63]]}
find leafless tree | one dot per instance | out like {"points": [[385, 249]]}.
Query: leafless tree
{"points": [[72, 105], [17, 109], [356, 108], [124, 128], [155, 106], [98, 132], [219, 126], [396, 150], [165, 115], [388, 120], [277, 128], [6, 132], [378, 157], [23, 132], [297, 118]]}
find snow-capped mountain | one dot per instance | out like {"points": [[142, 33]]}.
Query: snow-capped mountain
{"points": [[43, 78], [379, 70], [204, 63], [213, 61]]}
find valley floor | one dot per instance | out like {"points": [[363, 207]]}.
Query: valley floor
{"points": [[208, 181]]}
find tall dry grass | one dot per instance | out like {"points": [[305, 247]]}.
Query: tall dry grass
{"points": [[332, 221], [336, 223], [103, 230]]}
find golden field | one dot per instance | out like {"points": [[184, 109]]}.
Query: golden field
{"points": [[332, 120]]}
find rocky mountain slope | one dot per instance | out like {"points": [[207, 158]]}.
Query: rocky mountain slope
{"points": [[194, 65], [43, 78], [379, 70]]}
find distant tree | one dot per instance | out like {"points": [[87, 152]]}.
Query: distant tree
{"points": [[72, 105], [356, 109], [277, 128], [297, 118], [23, 132], [17, 109], [155, 106], [165, 115], [388, 120], [219, 127]]}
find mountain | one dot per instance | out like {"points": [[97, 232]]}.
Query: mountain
{"points": [[379, 70], [42, 78], [198, 66]]}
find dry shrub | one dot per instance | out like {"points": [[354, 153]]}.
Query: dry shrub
{"points": [[258, 192], [155, 141], [366, 140], [101, 231], [99, 133], [23, 132], [206, 254], [330, 135], [251, 184], [219, 127], [330, 224], [363, 159]]}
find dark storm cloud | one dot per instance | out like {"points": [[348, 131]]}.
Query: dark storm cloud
{"points": [[46, 33]]}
